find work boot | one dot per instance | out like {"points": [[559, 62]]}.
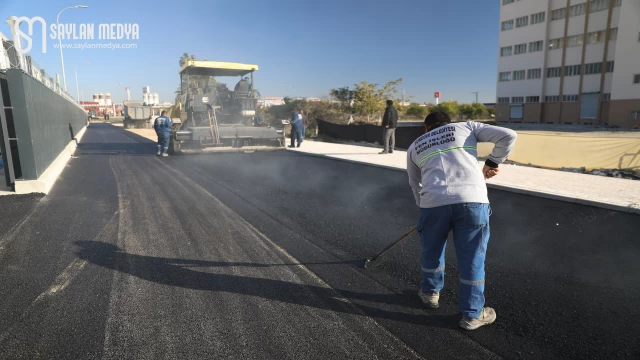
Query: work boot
{"points": [[291, 146], [390, 151], [429, 299], [383, 152], [165, 154], [487, 317]]}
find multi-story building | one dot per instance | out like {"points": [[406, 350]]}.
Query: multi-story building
{"points": [[569, 61]]}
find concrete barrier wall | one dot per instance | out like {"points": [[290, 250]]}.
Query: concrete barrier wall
{"points": [[45, 122]]}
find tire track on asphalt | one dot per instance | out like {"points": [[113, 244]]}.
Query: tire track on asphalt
{"points": [[262, 238], [61, 282]]}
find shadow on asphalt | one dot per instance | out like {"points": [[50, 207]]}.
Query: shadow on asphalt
{"points": [[180, 273]]}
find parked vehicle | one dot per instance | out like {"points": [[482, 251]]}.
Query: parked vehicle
{"points": [[136, 115]]}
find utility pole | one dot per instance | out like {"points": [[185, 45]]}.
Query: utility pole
{"points": [[475, 92]]}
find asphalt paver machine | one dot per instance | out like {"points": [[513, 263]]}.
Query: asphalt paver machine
{"points": [[214, 117]]}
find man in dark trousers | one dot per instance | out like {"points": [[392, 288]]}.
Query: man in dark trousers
{"points": [[389, 124], [451, 192], [162, 126]]}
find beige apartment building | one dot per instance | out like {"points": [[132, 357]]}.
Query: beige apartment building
{"points": [[569, 62]]}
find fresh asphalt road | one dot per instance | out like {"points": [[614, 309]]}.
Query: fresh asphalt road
{"points": [[258, 256]]}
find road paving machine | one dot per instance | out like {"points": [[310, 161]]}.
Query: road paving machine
{"points": [[213, 117]]}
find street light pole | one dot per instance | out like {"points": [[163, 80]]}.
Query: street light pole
{"points": [[77, 86], [64, 77]]}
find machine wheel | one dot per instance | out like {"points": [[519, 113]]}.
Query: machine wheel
{"points": [[174, 147]]}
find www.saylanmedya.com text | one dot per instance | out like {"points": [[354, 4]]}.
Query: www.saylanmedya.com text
{"points": [[87, 46]]}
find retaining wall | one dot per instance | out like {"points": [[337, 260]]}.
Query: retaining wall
{"points": [[45, 122]]}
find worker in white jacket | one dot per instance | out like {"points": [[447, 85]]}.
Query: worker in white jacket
{"points": [[451, 192]]}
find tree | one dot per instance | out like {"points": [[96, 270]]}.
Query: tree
{"points": [[449, 107], [479, 111], [344, 95], [185, 57], [370, 100], [417, 111], [466, 110]]}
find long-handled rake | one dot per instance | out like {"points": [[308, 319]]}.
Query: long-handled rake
{"points": [[373, 261]]}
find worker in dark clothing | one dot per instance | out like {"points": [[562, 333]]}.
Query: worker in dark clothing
{"points": [[389, 124], [305, 123], [162, 126], [451, 192], [297, 128], [242, 87]]}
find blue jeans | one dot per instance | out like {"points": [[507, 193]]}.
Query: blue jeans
{"points": [[297, 130], [470, 225], [164, 139]]}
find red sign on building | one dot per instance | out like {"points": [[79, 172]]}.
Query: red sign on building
{"points": [[437, 95]]}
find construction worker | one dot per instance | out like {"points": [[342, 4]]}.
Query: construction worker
{"points": [[162, 126], [389, 123], [242, 87], [451, 192], [297, 128]]}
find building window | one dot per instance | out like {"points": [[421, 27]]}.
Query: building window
{"points": [[506, 51], [536, 46], [558, 14], [636, 79], [534, 74], [576, 40], [520, 49], [554, 72], [506, 2], [577, 10], [610, 66], [522, 21], [606, 96], [596, 37], [507, 25], [634, 115], [518, 75], [505, 76], [537, 18], [613, 34], [618, 3], [572, 70], [570, 98], [593, 68], [503, 100], [516, 112], [556, 43], [599, 5], [533, 99], [554, 98], [517, 100]]}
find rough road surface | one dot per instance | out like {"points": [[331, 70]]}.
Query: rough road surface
{"points": [[258, 256]]}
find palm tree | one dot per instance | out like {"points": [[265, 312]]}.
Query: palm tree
{"points": [[185, 57]]}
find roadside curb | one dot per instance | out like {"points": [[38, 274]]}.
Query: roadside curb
{"points": [[524, 191]]}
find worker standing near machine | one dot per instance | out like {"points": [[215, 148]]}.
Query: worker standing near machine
{"points": [[452, 195], [162, 126], [297, 128]]}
